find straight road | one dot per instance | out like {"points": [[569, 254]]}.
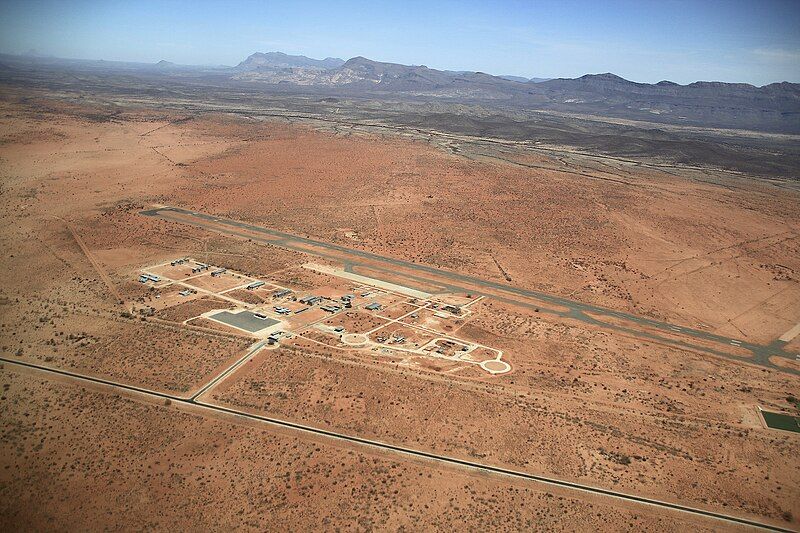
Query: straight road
{"points": [[228, 371], [213, 409], [680, 336]]}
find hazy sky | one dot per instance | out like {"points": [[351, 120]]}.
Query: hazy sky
{"points": [[683, 41]]}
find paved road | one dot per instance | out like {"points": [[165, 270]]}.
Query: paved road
{"points": [[228, 371], [680, 336], [392, 448]]}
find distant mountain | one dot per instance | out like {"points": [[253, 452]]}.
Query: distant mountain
{"points": [[164, 64], [607, 87], [275, 67], [522, 79], [514, 78], [774, 107], [611, 83], [279, 60], [376, 71], [361, 69], [362, 75]]}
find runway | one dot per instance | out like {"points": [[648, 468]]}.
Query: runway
{"points": [[638, 326]]}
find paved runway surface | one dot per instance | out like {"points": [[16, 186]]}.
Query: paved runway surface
{"points": [[642, 327], [245, 320]]}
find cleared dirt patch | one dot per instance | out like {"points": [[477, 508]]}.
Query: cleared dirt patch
{"points": [[356, 322], [191, 309]]}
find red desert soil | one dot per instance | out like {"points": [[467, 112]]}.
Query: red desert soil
{"points": [[581, 403], [157, 466]]}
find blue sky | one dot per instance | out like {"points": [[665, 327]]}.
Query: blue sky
{"points": [[749, 41]]}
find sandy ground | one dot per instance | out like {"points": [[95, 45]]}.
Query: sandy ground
{"points": [[154, 467], [657, 244], [581, 403]]}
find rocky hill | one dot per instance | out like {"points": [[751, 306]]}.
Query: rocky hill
{"points": [[708, 104], [774, 107], [279, 60]]}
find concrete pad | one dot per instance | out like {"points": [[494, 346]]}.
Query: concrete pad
{"points": [[791, 334], [244, 320], [408, 291]]}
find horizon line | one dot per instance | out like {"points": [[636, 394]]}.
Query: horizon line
{"points": [[501, 76]]}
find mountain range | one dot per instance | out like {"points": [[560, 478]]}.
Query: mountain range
{"points": [[772, 108], [335, 71], [279, 60], [276, 67]]}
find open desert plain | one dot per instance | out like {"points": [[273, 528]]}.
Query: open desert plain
{"points": [[222, 310]]}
